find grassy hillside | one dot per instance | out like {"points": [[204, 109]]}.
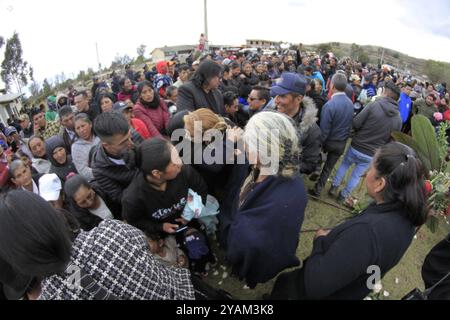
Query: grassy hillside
{"points": [[423, 69]]}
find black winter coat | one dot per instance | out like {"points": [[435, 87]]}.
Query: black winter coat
{"points": [[191, 98]]}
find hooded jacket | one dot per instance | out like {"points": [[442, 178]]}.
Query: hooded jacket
{"points": [[61, 170], [162, 80], [156, 120], [375, 124], [310, 136], [58, 105], [80, 154], [112, 178]]}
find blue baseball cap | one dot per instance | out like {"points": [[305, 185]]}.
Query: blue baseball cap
{"points": [[289, 83], [10, 130], [121, 106]]}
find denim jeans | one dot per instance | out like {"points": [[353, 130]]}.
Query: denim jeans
{"points": [[361, 162], [334, 150]]}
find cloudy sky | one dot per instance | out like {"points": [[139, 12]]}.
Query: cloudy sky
{"points": [[60, 35]]}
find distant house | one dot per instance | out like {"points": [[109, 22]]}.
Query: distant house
{"points": [[167, 53], [10, 104], [262, 44]]}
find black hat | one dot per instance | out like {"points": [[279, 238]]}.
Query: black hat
{"points": [[391, 86]]}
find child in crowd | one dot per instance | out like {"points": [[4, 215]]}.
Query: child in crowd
{"points": [[165, 249]]}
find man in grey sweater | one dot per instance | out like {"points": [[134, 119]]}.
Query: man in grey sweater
{"points": [[373, 129]]}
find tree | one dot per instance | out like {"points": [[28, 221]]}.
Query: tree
{"points": [[46, 88], [35, 88], [437, 71], [2, 42], [324, 48], [359, 54], [141, 50], [15, 71], [363, 57], [120, 61]]}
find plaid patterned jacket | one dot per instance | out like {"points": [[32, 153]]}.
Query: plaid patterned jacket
{"points": [[117, 257], [51, 129]]}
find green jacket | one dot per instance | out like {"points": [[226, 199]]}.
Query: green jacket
{"points": [[421, 107]]}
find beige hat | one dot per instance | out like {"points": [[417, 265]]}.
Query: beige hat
{"points": [[354, 77]]}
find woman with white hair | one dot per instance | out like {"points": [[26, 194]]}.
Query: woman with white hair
{"points": [[268, 214]]}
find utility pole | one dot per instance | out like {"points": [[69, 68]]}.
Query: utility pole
{"points": [[206, 24], [382, 56], [98, 59]]}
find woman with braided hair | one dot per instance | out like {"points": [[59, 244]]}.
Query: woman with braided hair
{"points": [[347, 261], [268, 213]]}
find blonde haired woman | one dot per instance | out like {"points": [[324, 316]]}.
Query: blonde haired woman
{"points": [[268, 213], [208, 120], [225, 170], [207, 132]]}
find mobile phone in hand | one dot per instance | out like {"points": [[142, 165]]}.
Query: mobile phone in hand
{"points": [[181, 229]]}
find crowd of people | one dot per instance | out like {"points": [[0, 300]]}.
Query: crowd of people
{"points": [[96, 182]]}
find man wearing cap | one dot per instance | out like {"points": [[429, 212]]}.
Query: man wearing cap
{"points": [[27, 128], [373, 128], [136, 125], [290, 99], [16, 142]]}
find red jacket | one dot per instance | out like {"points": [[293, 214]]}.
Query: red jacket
{"points": [[156, 120], [4, 174], [447, 115], [141, 128], [124, 96]]}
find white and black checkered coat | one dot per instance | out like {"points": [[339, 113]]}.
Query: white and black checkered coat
{"points": [[116, 255]]}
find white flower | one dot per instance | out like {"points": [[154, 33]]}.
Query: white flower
{"points": [[220, 283], [397, 280], [368, 298], [246, 287], [225, 275], [415, 237], [386, 294], [377, 287]]}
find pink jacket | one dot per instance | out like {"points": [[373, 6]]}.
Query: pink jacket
{"points": [[156, 120]]}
